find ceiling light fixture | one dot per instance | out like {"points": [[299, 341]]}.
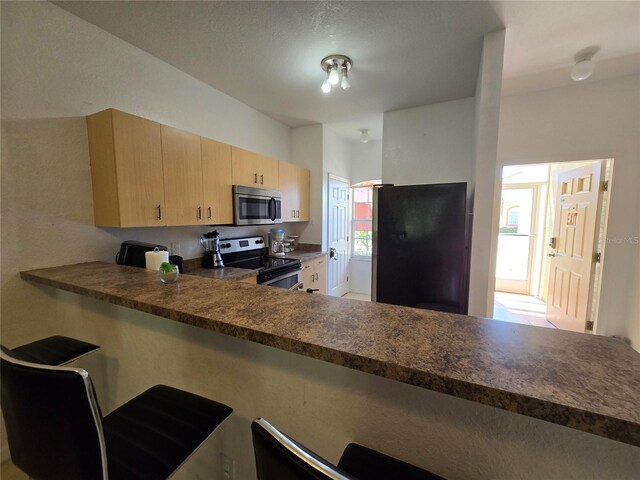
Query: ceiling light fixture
{"points": [[583, 69], [336, 67], [364, 135]]}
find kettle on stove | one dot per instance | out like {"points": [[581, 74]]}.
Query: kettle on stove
{"points": [[211, 243]]}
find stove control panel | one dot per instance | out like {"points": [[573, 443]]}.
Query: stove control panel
{"points": [[244, 244]]}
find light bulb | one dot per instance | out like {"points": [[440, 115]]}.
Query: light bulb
{"points": [[345, 83], [582, 70], [326, 86], [364, 135], [334, 76]]}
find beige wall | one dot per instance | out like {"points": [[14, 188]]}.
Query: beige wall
{"points": [[594, 120]]}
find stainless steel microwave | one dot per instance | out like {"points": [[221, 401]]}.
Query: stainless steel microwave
{"points": [[256, 206]]}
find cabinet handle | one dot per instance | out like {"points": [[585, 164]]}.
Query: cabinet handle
{"points": [[255, 178], [199, 213], [159, 212], [261, 179], [209, 213], [297, 213]]}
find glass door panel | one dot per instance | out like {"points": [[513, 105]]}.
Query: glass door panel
{"points": [[515, 240]]}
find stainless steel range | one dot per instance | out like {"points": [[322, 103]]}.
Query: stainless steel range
{"points": [[251, 253]]}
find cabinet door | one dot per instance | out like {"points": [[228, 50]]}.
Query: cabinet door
{"points": [[217, 182], [244, 167], [182, 167], [269, 173], [254, 170], [304, 186], [294, 185], [321, 275], [308, 274], [138, 158], [288, 185]]}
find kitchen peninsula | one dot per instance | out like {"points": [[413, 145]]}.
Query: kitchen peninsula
{"points": [[585, 382]]}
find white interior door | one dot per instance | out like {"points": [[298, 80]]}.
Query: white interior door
{"points": [[572, 248], [338, 231]]}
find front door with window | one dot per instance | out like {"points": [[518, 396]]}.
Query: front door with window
{"points": [[338, 229], [571, 248]]}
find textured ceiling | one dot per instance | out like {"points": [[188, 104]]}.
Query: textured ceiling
{"points": [[267, 54]]}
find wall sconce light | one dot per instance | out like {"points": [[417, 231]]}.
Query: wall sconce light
{"points": [[337, 69]]}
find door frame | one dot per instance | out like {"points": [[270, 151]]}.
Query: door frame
{"points": [[332, 176]]}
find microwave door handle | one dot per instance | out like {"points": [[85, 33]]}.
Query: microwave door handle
{"points": [[272, 201]]}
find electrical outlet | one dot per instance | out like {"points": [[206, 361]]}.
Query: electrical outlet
{"points": [[175, 248], [227, 467]]}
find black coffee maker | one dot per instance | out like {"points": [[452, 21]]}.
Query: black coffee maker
{"points": [[211, 244]]}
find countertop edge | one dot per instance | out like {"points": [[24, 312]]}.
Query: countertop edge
{"points": [[616, 429]]}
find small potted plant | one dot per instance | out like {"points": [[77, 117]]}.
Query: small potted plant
{"points": [[168, 273]]}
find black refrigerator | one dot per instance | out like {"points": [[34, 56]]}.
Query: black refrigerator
{"points": [[421, 246]]}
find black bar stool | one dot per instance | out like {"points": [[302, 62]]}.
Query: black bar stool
{"points": [[56, 350], [56, 430], [280, 457]]}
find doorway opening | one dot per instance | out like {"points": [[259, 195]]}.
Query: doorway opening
{"points": [[551, 240]]}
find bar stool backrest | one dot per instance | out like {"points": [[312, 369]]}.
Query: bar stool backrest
{"points": [[53, 421], [279, 456]]}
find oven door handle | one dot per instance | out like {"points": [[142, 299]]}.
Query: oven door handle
{"points": [[297, 286], [272, 201]]}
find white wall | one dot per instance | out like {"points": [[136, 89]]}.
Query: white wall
{"points": [[58, 73], [306, 151], [336, 159], [589, 121], [486, 197], [366, 161], [56, 69], [429, 144]]}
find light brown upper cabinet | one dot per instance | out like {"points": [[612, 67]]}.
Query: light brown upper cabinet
{"points": [[254, 170], [294, 185], [146, 174], [217, 182], [126, 170], [182, 168]]}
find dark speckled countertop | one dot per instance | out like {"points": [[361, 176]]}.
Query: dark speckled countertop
{"points": [[193, 266], [304, 256], [586, 382]]}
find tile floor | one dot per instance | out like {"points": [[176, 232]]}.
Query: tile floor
{"points": [[357, 296], [525, 309]]}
